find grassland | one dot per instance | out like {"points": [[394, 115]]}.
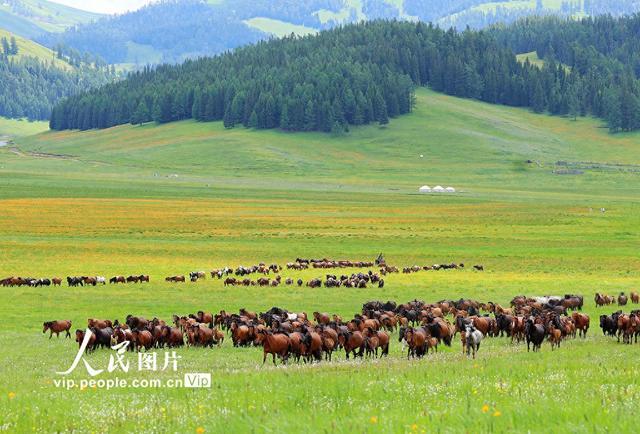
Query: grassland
{"points": [[10, 128], [169, 199], [28, 48], [532, 57], [278, 28], [39, 16]]}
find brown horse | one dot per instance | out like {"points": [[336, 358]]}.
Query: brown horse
{"points": [[175, 279], [120, 335], [581, 322], [275, 344], [99, 323], [555, 336], [416, 340], [246, 313], [142, 339], [351, 341], [205, 317], [203, 335], [321, 318], [80, 337], [172, 336], [57, 327]]}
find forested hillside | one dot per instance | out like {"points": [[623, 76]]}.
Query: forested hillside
{"points": [[603, 55], [365, 73], [33, 78]]}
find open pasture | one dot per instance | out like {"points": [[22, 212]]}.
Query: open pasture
{"points": [[107, 203]]}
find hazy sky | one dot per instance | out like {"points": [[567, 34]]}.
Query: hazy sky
{"points": [[105, 6]]}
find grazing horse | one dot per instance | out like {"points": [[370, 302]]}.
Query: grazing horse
{"points": [[473, 337], [99, 323], [80, 338], [172, 336], [534, 334], [275, 344], [555, 335], [635, 298], [205, 317], [57, 327], [581, 322], [313, 344], [203, 335], [622, 299], [117, 279], [142, 338], [103, 336], [351, 341], [120, 335], [608, 325], [75, 281], [175, 279], [416, 341]]}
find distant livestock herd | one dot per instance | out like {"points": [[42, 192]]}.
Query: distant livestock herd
{"points": [[240, 276]]}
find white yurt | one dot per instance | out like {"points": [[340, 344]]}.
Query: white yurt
{"points": [[425, 189], [450, 190], [438, 189]]}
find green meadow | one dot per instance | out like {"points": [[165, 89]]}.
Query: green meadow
{"points": [[169, 199]]}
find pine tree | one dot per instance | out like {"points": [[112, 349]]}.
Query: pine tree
{"points": [[6, 48], [140, 114], [14, 46], [382, 116], [573, 102], [196, 108], [613, 112], [253, 120], [309, 116], [538, 100], [163, 108], [285, 123], [337, 129], [227, 118]]}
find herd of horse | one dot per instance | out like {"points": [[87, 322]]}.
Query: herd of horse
{"points": [[72, 280], [622, 325], [622, 299], [421, 327], [241, 275]]}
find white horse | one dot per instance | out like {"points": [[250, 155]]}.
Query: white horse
{"points": [[473, 337], [101, 279]]}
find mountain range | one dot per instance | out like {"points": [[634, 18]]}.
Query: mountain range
{"points": [[172, 30]]}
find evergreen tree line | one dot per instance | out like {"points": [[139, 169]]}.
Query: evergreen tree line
{"points": [[30, 87], [9, 46], [353, 75]]}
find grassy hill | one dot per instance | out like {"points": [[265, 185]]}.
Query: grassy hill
{"points": [[30, 18], [497, 139], [165, 200], [28, 48]]}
